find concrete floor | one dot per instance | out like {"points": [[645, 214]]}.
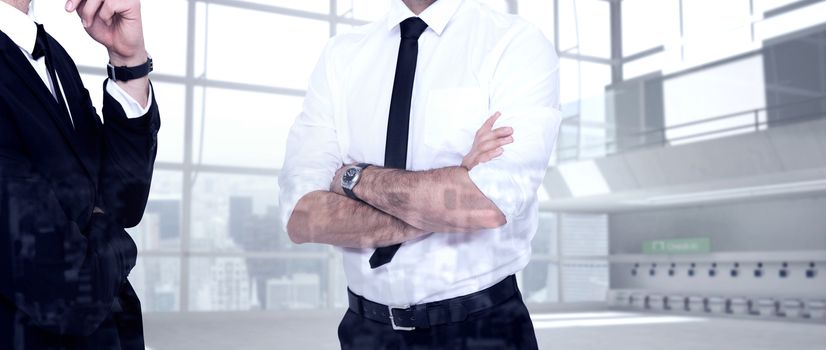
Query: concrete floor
{"points": [[581, 328]]}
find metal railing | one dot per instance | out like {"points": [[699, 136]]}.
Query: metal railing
{"points": [[745, 121]]}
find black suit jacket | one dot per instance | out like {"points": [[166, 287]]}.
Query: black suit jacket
{"points": [[64, 265]]}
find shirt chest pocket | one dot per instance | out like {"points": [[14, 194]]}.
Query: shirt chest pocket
{"points": [[452, 117]]}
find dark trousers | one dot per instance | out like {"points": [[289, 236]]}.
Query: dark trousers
{"points": [[503, 327]]}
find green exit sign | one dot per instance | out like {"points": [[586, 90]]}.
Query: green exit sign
{"points": [[677, 246]]}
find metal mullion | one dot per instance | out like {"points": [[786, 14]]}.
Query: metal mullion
{"points": [[201, 82], [275, 255], [788, 8], [643, 54], [560, 258], [616, 42], [751, 16], [581, 258], [331, 267], [586, 58], [555, 256], [218, 169], [513, 6], [332, 17], [545, 257], [682, 32], [556, 24], [222, 84], [186, 173], [166, 78]]}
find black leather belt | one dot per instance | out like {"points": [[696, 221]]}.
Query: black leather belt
{"points": [[408, 318]]}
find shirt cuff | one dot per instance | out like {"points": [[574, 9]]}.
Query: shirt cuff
{"points": [[132, 108]]}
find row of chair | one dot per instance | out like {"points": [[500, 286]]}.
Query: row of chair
{"points": [[767, 307]]}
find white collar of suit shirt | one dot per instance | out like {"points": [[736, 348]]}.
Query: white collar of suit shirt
{"points": [[19, 26], [437, 15]]}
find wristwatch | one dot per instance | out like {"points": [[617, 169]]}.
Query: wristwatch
{"points": [[351, 178], [130, 73]]}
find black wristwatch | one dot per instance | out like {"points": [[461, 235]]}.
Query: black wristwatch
{"points": [[351, 178], [130, 73]]}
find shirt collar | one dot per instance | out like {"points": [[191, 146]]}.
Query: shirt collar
{"points": [[437, 15], [19, 26]]}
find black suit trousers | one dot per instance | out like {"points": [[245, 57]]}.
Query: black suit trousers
{"points": [[506, 326]]}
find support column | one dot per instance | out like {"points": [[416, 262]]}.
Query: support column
{"points": [[616, 41], [186, 191]]}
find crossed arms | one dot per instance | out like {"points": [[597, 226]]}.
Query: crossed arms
{"points": [[497, 179], [402, 205]]}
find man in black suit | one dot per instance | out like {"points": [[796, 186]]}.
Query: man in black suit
{"points": [[70, 183]]}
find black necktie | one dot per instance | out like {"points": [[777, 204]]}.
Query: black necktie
{"points": [[395, 152], [41, 49]]}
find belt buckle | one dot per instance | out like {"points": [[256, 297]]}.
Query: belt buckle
{"points": [[393, 321]]}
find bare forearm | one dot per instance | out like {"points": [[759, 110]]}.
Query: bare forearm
{"points": [[137, 88], [440, 200], [328, 218]]}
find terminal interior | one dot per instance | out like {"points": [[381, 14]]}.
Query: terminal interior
{"points": [[684, 207]]}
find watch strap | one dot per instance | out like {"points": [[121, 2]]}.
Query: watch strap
{"points": [[124, 73], [350, 194]]}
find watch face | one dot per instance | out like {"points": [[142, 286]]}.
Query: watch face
{"points": [[350, 175]]}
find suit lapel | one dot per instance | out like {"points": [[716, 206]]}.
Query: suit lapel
{"points": [[24, 70], [85, 123]]}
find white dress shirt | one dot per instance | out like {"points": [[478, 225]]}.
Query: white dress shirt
{"points": [[21, 28], [473, 61]]}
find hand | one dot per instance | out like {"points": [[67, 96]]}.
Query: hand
{"points": [[116, 24], [488, 143], [335, 186]]}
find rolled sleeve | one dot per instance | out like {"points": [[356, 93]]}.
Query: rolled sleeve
{"points": [[512, 180], [313, 151], [525, 89]]}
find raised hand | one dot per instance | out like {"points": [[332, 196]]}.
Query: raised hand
{"points": [[116, 24]]}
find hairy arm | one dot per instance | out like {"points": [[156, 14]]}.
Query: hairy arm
{"points": [[328, 218], [440, 200]]}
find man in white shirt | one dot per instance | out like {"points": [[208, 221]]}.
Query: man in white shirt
{"points": [[455, 188], [70, 182]]}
